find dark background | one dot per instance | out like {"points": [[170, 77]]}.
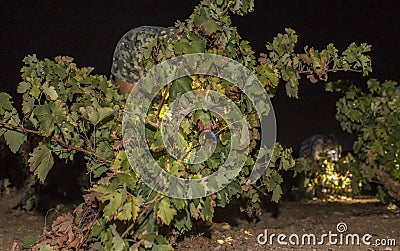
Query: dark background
{"points": [[89, 30]]}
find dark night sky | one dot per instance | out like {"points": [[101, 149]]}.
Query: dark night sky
{"points": [[88, 31]]}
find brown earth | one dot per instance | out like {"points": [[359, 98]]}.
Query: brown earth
{"points": [[16, 224], [362, 216]]}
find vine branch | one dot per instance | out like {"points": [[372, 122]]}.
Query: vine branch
{"points": [[59, 141], [331, 70], [149, 204]]}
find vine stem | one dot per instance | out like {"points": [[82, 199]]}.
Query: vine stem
{"points": [[331, 70], [55, 139], [162, 101], [259, 190], [149, 204]]}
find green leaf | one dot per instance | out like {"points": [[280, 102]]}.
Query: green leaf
{"points": [[5, 103], [200, 16], [41, 161], [129, 179], [50, 91], [178, 203], [276, 194], [104, 112], [197, 46], [165, 212], [35, 91], [121, 162], [207, 209], [158, 144], [114, 198], [184, 46], [225, 138], [14, 139], [202, 116], [93, 115], [183, 221], [99, 171], [181, 46], [29, 240], [23, 87], [176, 168], [45, 247], [292, 91], [104, 150], [210, 26], [118, 243], [27, 104], [45, 116], [181, 85], [130, 210]]}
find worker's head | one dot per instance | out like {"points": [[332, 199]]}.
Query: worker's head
{"points": [[127, 66]]}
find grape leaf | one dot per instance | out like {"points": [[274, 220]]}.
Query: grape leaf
{"points": [[41, 161], [165, 212], [44, 115], [5, 103], [207, 209], [121, 162], [178, 203], [23, 87], [114, 197], [130, 210], [50, 91], [202, 116], [14, 139], [104, 112], [181, 85], [92, 114], [158, 144], [27, 104], [118, 243], [210, 26], [46, 247], [29, 240], [276, 195]]}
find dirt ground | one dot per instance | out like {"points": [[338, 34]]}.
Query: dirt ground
{"points": [[16, 224], [361, 217]]}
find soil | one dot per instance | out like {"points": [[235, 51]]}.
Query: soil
{"points": [[361, 216], [17, 224]]}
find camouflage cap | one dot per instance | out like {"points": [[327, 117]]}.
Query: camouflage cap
{"points": [[127, 62]]}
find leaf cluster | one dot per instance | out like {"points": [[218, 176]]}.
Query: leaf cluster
{"points": [[373, 116]]}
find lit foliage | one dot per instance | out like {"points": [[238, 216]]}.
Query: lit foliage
{"points": [[328, 179], [374, 117], [76, 111]]}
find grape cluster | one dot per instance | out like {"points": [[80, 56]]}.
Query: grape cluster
{"points": [[89, 214]]}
